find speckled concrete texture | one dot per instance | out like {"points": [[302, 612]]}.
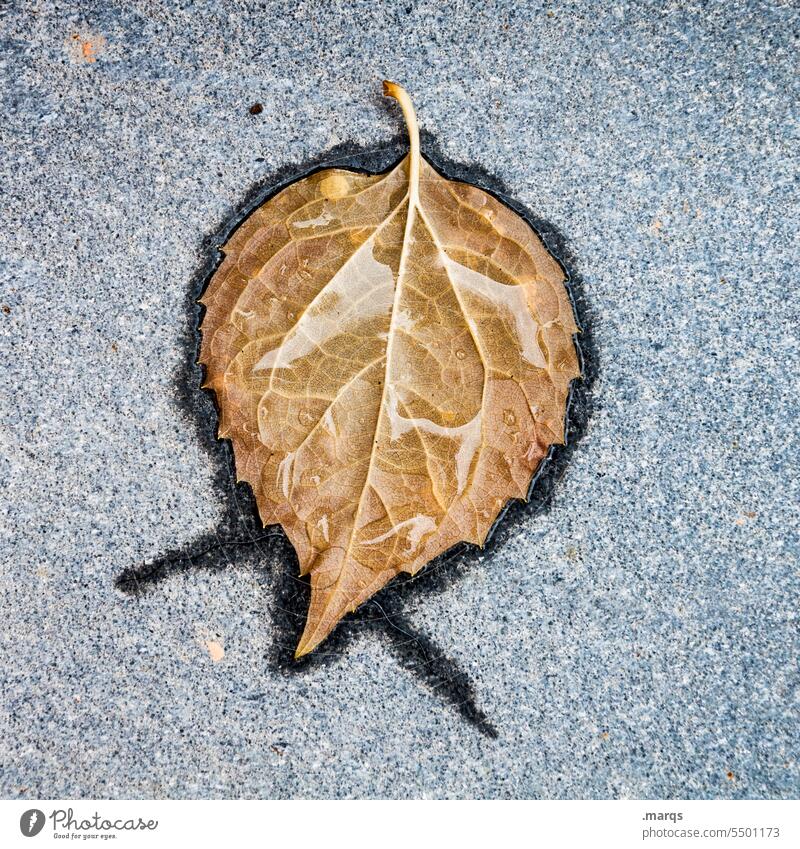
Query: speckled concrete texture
{"points": [[639, 638]]}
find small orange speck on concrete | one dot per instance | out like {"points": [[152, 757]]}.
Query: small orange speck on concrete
{"points": [[85, 47], [215, 651]]}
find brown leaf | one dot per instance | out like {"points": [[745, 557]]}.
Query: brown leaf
{"points": [[392, 356]]}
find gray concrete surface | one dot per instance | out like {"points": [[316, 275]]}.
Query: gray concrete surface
{"points": [[640, 638]]}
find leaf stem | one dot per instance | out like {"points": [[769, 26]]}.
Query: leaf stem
{"points": [[396, 91]]}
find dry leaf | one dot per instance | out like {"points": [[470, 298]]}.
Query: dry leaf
{"points": [[392, 356]]}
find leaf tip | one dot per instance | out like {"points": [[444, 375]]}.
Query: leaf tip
{"points": [[301, 651], [311, 638]]}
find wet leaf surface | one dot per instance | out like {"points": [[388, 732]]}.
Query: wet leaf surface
{"points": [[391, 356]]}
